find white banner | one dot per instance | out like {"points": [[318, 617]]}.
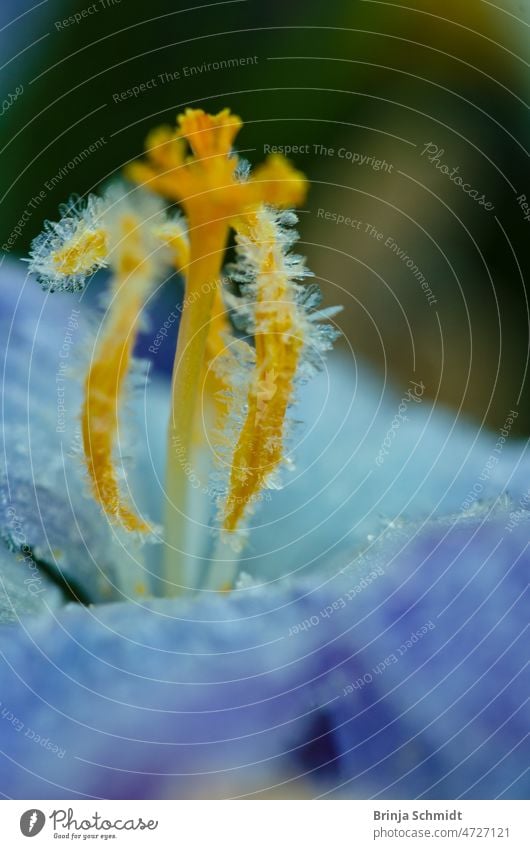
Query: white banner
{"points": [[266, 823]]}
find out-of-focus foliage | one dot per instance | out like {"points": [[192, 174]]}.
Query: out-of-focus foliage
{"points": [[375, 78]]}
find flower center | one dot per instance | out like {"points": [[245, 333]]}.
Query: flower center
{"points": [[246, 382]]}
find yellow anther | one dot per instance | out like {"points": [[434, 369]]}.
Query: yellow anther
{"points": [[280, 334], [86, 251]]}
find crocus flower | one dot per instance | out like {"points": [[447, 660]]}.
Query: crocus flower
{"points": [[347, 625]]}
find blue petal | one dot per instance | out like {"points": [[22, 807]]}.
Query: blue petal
{"points": [[288, 690], [45, 344], [441, 636], [296, 683], [24, 588]]}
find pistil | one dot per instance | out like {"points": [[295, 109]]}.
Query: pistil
{"points": [[207, 247]]}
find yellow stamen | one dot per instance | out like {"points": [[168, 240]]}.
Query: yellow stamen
{"points": [[104, 383], [86, 251], [279, 341]]}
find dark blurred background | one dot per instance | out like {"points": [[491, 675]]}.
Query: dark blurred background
{"points": [[361, 87]]}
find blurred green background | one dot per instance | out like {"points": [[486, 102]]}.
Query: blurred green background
{"points": [[360, 78]]}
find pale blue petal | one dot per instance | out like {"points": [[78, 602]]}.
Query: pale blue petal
{"points": [[45, 345], [439, 463]]}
